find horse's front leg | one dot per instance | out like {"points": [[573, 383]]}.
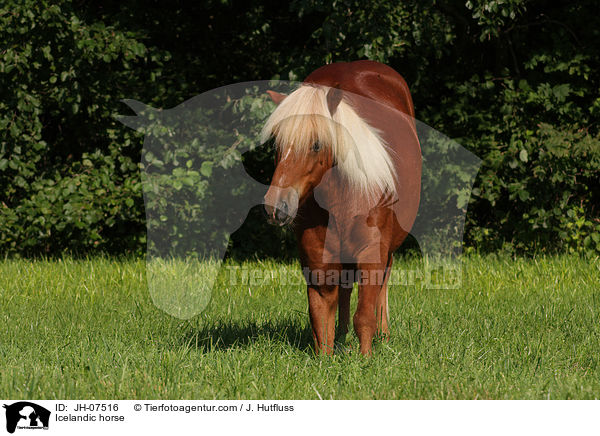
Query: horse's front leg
{"points": [[370, 278], [322, 305]]}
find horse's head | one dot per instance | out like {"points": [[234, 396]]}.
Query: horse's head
{"points": [[315, 129], [296, 175], [304, 137]]}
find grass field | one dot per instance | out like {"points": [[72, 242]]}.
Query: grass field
{"points": [[524, 328]]}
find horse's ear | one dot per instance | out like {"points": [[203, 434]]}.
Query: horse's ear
{"points": [[144, 117], [334, 97], [137, 106], [276, 96]]}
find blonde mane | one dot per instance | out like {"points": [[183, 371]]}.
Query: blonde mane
{"points": [[362, 157]]}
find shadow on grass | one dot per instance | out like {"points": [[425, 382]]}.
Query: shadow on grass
{"points": [[232, 335]]}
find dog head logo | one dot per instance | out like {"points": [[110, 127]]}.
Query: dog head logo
{"points": [[26, 415]]}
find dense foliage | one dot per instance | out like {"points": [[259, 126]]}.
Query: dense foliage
{"points": [[516, 82]]}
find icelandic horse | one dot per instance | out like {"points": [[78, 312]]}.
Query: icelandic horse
{"points": [[348, 180]]}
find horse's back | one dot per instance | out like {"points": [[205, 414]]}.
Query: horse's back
{"points": [[369, 79]]}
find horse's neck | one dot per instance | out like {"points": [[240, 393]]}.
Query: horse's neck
{"points": [[335, 196]]}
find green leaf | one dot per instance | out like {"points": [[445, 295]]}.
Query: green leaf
{"points": [[523, 155], [523, 195], [561, 92], [206, 168]]}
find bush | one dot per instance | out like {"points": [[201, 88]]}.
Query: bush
{"points": [[539, 193], [515, 82], [68, 172]]}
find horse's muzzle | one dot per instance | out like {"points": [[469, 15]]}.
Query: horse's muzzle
{"points": [[281, 205], [278, 215]]}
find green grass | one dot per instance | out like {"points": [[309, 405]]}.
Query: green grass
{"points": [[524, 328]]}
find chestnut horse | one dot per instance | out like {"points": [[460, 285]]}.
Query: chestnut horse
{"points": [[348, 178]]}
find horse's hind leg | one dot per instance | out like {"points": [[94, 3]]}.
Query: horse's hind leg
{"points": [[382, 304], [365, 319], [344, 311]]}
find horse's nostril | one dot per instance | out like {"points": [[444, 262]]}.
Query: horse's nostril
{"points": [[282, 212], [280, 215]]}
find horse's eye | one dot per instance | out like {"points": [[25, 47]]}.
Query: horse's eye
{"points": [[316, 147]]}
